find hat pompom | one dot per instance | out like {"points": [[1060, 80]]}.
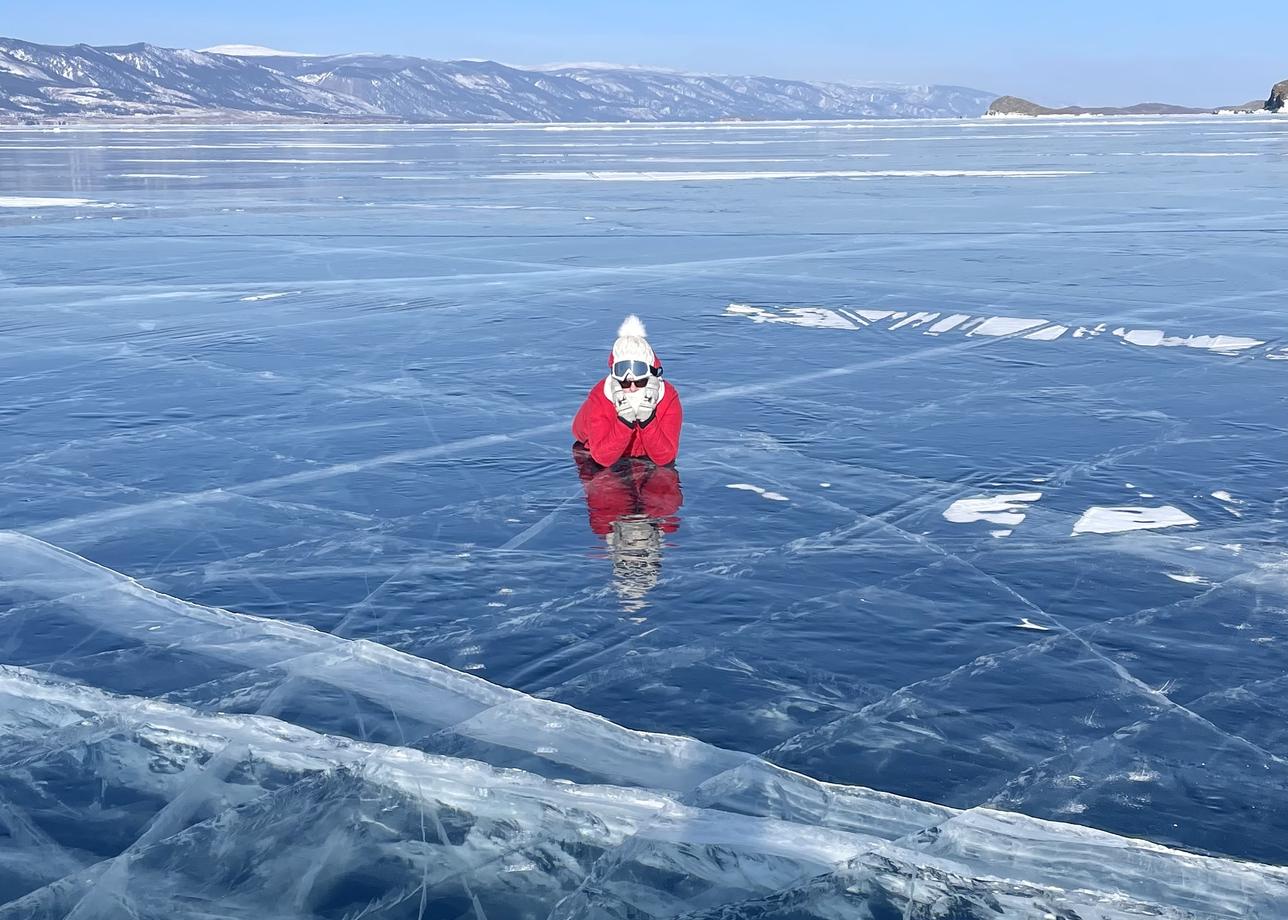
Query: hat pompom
{"points": [[632, 327], [632, 344]]}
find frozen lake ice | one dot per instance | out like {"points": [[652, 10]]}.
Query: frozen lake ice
{"points": [[977, 595]]}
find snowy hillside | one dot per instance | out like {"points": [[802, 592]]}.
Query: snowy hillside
{"points": [[81, 80], [144, 79]]}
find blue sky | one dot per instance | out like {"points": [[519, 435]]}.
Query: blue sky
{"points": [[1055, 52]]}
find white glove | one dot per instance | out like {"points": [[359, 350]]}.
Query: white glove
{"points": [[646, 399], [622, 402]]}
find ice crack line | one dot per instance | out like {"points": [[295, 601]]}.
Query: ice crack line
{"points": [[451, 448], [1076, 635]]}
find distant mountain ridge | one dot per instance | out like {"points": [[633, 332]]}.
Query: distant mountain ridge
{"points": [[50, 81]]}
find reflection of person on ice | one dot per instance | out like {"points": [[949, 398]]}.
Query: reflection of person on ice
{"points": [[631, 490], [628, 433], [631, 412], [633, 505]]}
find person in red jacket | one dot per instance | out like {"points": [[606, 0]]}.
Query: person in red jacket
{"points": [[631, 412], [628, 434]]}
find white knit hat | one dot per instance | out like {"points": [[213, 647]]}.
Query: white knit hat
{"points": [[632, 344]]}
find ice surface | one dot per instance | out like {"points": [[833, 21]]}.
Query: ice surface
{"points": [[235, 797], [339, 406], [732, 175]]}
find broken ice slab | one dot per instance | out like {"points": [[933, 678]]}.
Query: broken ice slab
{"points": [[883, 885], [236, 808], [1049, 853], [152, 809], [141, 641], [186, 805]]}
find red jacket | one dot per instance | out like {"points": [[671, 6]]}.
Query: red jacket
{"points": [[608, 438], [629, 491]]}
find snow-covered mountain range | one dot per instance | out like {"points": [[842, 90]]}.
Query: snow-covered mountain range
{"points": [[43, 81]]}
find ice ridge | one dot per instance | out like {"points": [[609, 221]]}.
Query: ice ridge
{"points": [[160, 758]]}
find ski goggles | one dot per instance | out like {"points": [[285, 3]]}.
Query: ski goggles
{"points": [[624, 369]]}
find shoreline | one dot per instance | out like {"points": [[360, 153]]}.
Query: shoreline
{"points": [[250, 121]]}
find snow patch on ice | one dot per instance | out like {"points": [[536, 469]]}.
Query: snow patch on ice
{"points": [[1005, 325], [1229, 502], [915, 319], [1195, 154], [1007, 510], [1122, 519], [1155, 338], [1188, 578], [17, 201], [1146, 338], [763, 493], [815, 317], [948, 323], [1029, 328], [1049, 334], [272, 296], [253, 161], [1222, 343], [1026, 623]]}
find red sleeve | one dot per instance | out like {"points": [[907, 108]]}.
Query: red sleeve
{"points": [[601, 429], [660, 435]]}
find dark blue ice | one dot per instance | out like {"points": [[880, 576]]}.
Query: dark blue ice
{"points": [[324, 376]]}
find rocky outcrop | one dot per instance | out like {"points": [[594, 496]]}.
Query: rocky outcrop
{"points": [[1278, 97], [1256, 105], [1014, 105]]}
